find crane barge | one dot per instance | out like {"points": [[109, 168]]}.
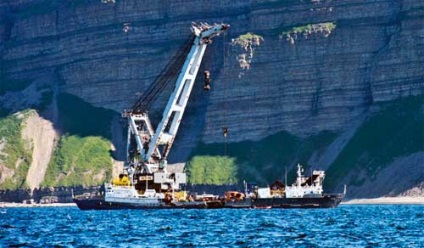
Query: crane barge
{"points": [[146, 181]]}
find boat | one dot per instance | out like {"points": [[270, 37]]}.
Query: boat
{"points": [[121, 194], [137, 201], [99, 203], [306, 192]]}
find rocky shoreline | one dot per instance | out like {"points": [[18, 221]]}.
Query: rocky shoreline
{"points": [[29, 205], [50, 195], [386, 200]]}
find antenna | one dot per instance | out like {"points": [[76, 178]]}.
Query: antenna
{"points": [[285, 176], [311, 176]]}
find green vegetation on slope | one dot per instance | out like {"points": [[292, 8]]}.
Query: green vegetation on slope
{"points": [[77, 161], [13, 154], [397, 130], [294, 33], [82, 156], [216, 170], [309, 28], [263, 161], [248, 39]]}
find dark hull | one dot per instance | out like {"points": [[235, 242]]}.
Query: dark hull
{"points": [[327, 201], [247, 203], [98, 203]]}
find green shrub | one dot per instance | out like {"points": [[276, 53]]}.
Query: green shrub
{"points": [[14, 155], [248, 40], [214, 170], [77, 160], [293, 34]]}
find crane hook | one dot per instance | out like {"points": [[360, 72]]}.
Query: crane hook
{"points": [[207, 79], [225, 131]]}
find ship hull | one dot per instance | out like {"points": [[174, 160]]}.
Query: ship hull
{"points": [[326, 201], [246, 203], [101, 204]]}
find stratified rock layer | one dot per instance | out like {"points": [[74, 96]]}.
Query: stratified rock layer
{"points": [[321, 81]]}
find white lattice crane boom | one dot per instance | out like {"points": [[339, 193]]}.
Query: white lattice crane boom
{"points": [[152, 147]]}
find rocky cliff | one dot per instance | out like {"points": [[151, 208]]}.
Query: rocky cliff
{"points": [[323, 65]]}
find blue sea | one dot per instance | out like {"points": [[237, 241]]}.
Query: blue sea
{"points": [[345, 226]]}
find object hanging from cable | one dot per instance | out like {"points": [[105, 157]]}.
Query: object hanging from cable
{"points": [[126, 27], [225, 131], [207, 86]]}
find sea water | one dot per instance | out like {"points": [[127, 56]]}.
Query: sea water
{"points": [[344, 226]]}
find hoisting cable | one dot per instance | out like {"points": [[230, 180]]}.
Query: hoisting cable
{"points": [[169, 72], [225, 127]]}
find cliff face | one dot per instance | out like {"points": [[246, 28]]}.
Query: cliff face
{"points": [[321, 67], [318, 83], [322, 83]]}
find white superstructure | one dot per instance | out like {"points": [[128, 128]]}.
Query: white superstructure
{"points": [[127, 194], [302, 189]]}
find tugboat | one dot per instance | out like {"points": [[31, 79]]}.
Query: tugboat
{"points": [[306, 192]]}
